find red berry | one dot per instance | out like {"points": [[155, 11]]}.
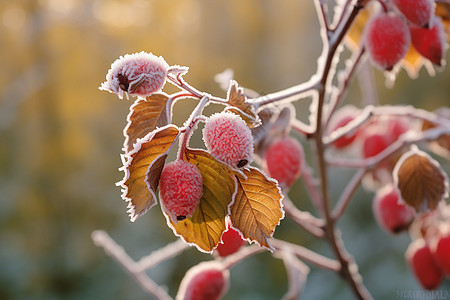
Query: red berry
{"points": [[283, 160], [137, 74], [231, 241], [418, 12], [180, 189], [430, 43], [422, 263], [373, 144], [342, 117], [205, 281], [390, 212], [395, 128], [229, 139], [387, 39], [441, 252]]}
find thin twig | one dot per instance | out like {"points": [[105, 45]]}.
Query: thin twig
{"points": [[346, 196], [102, 239], [304, 219], [307, 255]]}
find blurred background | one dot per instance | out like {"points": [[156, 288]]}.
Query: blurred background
{"points": [[61, 139]]}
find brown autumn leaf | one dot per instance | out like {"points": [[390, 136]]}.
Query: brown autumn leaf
{"points": [[143, 166], [204, 229], [420, 180], [238, 101], [144, 117], [257, 207]]}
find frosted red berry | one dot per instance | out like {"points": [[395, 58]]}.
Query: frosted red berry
{"points": [[229, 139], [342, 117], [390, 212], [283, 160], [137, 74], [421, 261], [387, 39], [373, 144], [205, 281], [180, 189], [441, 252], [418, 12], [430, 43], [231, 241]]}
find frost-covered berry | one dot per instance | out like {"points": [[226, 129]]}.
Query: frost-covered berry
{"points": [[440, 249], [180, 189], [391, 213], [283, 160], [231, 241], [205, 281], [342, 117], [387, 39], [418, 12], [430, 43], [137, 74], [229, 139], [420, 259]]}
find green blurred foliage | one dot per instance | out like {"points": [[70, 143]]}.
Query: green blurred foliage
{"points": [[61, 139]]}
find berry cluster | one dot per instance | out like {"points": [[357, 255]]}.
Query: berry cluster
{"points": [[390, 33]]}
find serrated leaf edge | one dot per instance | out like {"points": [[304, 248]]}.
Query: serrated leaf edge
{"points": [[416, 151], [267, 238], [126, 161]]}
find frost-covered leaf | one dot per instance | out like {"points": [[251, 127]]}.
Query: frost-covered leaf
{"points": [[144, 117], [143, 166], [420, 180], [238, 100], [257, 207], [206, 226]]}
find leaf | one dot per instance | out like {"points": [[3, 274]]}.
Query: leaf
{"points": [[143, 166], [205, 228], [441, 145], [144, 117], [420, 180], [257, 207], [355, 33], [442, 10], [412, 62], [238, 100]]}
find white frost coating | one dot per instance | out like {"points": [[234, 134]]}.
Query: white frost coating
{"points": [[197, 270], [138, 74], [416, 151]]}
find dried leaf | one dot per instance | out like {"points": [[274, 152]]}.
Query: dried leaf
{"points": [[257, 207], [143, 166], [420, 180], [206, 226], [144, 117], [237, 99]]}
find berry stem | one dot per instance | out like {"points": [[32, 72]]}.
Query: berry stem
{"points": [[190, 124]]}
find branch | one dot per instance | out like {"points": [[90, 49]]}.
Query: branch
{"points": [[102, 239], [347, 194], [307, 255], [303, 218]]}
